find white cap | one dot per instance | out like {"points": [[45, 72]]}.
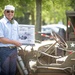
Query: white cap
{"points": [[9, 7]]}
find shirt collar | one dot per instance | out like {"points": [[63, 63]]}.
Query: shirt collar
{"points": [[5, 19]]}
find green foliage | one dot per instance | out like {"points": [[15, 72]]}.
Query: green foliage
{"points": [[52, 10], [72, 4]]}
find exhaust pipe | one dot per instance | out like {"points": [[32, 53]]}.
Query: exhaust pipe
{"points": [[21, 66]]}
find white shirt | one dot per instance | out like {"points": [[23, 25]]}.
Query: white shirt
{"points": [[8, 30]]}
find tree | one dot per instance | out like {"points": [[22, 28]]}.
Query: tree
{"points": [[38, 19]]}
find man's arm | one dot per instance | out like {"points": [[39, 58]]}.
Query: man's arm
{"points": [[8, 41]]}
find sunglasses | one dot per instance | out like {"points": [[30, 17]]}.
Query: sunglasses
{"points": [[8, 11]]}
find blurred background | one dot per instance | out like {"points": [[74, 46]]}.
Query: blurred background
{"points": [[40, 12]]}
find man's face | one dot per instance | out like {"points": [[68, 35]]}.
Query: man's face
{"points": [[9, 14]]}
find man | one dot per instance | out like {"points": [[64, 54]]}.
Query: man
{"points": [[8, 41]]}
